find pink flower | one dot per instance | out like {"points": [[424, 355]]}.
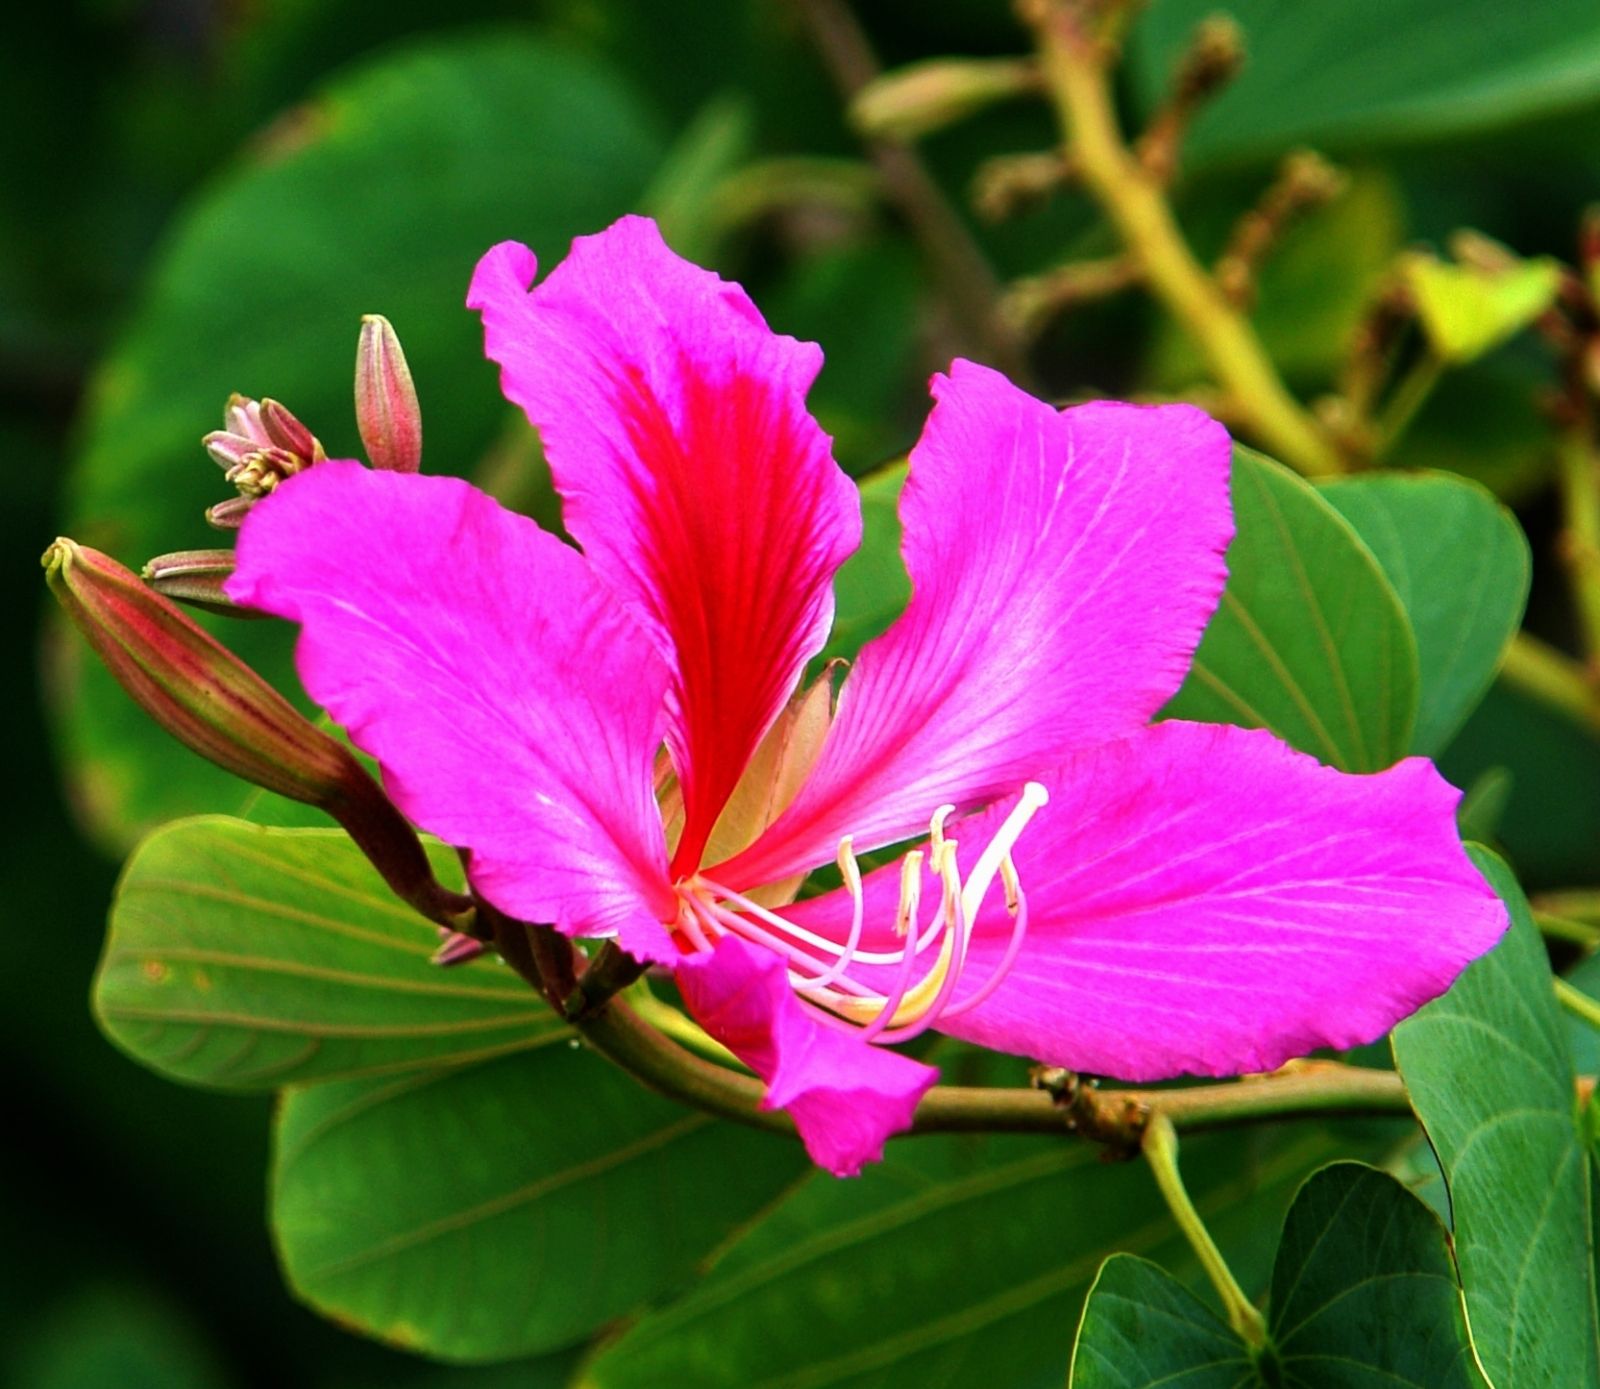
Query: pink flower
{"points": [[613, 735]]}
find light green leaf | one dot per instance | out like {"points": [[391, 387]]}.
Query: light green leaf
{"points": [[378, 196], [1490, 1076], [1467, 311], [955, 1261], [1370, 73], [1310, 639], [247, 958], [1460, 564], [484, 1212], [1364, 1296]]}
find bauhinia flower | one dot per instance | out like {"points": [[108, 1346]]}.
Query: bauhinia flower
{"points": [[617, 738]]}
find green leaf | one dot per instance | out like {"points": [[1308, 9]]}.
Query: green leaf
{"points": [[1364, 1275], [1370, 73], [1467, 311], [1310, 639], [1142, 1328], [1490, 1076], [871, 588], [247, 958], [1364, 1296], [954, 1261], [1460, 564], [484, 1212], [378, 196]]}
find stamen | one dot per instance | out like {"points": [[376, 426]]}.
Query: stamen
{"points": [[910, 892], [1019, 929], [851, 872], [820, 967]]}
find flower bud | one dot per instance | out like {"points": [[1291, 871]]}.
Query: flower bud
{"points": [[215, 705], [387, 413], [924, 97], [261, 445], [196, 577]]}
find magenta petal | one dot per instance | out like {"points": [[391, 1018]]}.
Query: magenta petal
{"points": [[845, 1095], [675, 425], [1204, 899], [514, 711], [1063, 564]]}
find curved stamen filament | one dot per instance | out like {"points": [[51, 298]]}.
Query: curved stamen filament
{"points": [[851, 871], [820, 968]]}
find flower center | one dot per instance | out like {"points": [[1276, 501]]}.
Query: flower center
{"points": [[892, 994]]}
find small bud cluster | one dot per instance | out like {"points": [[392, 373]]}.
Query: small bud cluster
{"points": [[262, 444]]}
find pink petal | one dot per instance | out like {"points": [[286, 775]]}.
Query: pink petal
{"points": [[514, 711], [845, 1096], [1063, 565], [675, 426], [1203, 899]]}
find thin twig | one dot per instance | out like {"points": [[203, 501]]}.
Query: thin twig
{"points": [[968, 281]]}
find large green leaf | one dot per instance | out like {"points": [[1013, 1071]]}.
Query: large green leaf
{"points": [[1365, 73], [1461, 566], [248, 958], [955, 1261], [378, 196], [1491, 1078], [1310, 639], [484, 1212], [1364, 1296]]}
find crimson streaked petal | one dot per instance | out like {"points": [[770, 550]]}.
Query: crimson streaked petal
{"points": [[513, 709], [675, 425], [845, 1095], [1063, 565]]}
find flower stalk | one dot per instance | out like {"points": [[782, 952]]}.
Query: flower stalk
{"points": [[1160, 1148]]}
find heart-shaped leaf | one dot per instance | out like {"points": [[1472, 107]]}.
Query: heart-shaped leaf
{"points": [[1364, 1296]]}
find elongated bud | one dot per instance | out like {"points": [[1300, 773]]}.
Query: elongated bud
{"points": [[921, 98], [387, 413], [215, 705], [196, 577]]}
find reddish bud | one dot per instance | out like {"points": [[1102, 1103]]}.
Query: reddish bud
{"points": [[196, 577], [387, 412], [215, 705]]}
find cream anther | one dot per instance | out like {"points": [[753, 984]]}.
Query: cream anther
{"points": [[936, 830], [910, 892], [998, 850]]}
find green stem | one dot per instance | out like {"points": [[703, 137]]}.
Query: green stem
{"points": [[1577, 904], [1578, 472], [1115, 1117], [1134, 200], [1578, 1003], [1539, 670], [1563, 928], [1160, 1149], [1406, 399]]}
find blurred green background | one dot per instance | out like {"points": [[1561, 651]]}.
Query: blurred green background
{"points": [[199, 196]]}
